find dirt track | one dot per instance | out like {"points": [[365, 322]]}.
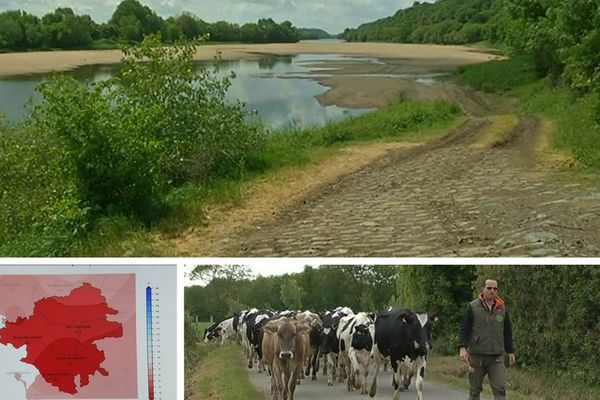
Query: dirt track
{"points": [[451, 197], [446, 198]]}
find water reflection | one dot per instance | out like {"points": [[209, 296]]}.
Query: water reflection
{"points": [[275, 86]]}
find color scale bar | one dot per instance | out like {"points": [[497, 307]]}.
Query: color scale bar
{"points": [[150, 343]]}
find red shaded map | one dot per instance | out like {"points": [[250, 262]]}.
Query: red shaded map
{"points": [[60, 336]]}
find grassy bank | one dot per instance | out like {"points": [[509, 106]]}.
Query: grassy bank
{"points": [[185, 205], [222, 375], [575, 116], [522, 384]]}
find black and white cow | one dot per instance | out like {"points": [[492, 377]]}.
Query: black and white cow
{"points": [[211, 332], [222, 330], [254, 322], [330, 344], [356, 333], [242, 329], [405, 337]]}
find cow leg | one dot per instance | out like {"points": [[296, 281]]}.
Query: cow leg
{"points": [[295, 373], [397, 371], [421, 367], [251, 358], [343, 362], [365, 379], [314, 362], [307, 372], [404, 376], [329, 368], [406, 380], [377, 359], [277, 380]]}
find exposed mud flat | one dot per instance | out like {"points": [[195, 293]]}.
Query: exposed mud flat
{"points": [[423, 56]]}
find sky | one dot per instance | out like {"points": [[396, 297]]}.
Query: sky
{"points": [[330, 15]]}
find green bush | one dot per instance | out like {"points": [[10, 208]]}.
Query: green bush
{"points": [[501, 75], [156, 124], [116, 148], [41, 212], [555, 315]]}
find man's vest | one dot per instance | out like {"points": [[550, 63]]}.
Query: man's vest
{"points": [[487, 333]]}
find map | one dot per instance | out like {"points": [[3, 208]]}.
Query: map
{"points": [[68, 337]]}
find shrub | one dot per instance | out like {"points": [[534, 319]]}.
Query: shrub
{"points": [[159, 122], [40, 209]]}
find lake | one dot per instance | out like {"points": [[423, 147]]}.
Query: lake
{"points": [[279, 88]]}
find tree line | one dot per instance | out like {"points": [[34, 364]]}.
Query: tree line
{"points": [[130, 23], [555, 309], [562, 37]]}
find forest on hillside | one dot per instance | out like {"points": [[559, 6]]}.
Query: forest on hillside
{"points": [[130, 23], [563, 37], [554, 309]]}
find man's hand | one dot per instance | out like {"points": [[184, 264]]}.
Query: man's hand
{"points": [[512, 359], [464, 354]]}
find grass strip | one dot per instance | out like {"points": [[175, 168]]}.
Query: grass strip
{"points": [[223, 376]]}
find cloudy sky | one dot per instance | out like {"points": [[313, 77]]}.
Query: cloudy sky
{"points": [[331, 15]]}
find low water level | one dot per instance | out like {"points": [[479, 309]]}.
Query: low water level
{"points": [[277, 87]]}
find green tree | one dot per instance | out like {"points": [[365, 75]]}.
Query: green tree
{"points": [[207, 273], [555, 315], [11, 32], [443, 290], [291, 294], [134, 21]]}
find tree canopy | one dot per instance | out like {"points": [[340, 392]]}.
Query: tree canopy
{"points": [[130, 23]]}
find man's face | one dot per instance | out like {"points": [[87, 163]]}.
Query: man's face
{"points": [[490, 290]]}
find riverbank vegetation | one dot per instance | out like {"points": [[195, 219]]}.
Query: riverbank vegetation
{"points": [[130, 23], [576, 131], [96, 163], [554, 335], [554, 49]]}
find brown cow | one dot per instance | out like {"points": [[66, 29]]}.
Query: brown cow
{"points": [[316, 328], [284, 347]]}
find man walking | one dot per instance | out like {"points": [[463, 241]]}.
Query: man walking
{"points": [[485, 334]]}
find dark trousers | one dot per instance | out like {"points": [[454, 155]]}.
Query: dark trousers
{"points": [[493, 367]]}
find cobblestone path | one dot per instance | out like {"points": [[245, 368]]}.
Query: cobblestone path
{"points": [[442, 199]]}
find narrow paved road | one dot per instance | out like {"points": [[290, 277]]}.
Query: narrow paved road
{"points": [[447, 198], [318, 390]]}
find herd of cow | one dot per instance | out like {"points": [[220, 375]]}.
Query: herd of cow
{"points": [[354, 347]]}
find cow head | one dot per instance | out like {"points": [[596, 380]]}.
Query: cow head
{"points": [[329, 341], [287, 337], [421, 324], [210, 334], [361, 338]]}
